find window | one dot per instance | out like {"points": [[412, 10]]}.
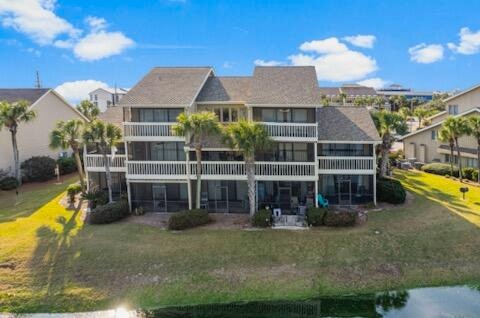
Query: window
{"points": [[434, 134], [96, 97], [158, 115], [227, 114], [453, 109]]}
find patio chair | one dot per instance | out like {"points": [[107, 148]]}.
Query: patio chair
{"points": [[322, 201]]}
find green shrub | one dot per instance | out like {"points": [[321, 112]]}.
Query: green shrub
{"points": [[390, 191], [262, 218], [66, 165], [38, 169], [108, 213], [470, 173], [475, 175], [8, 183], [95, 198], [394, 156], [72, 191], [188, 219], [339, 218], [440, 169], [315, 216]]}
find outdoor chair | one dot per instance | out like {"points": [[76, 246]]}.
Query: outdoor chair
{"points": [[322, 201]]}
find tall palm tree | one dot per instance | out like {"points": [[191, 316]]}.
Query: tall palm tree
{"points": [[11, 116], [452, 129], [421, 113], [106, 136], [474, 122], [387, 123], [379, 101], [248, 137], [196, 128], [69, 135], [88, 109]]}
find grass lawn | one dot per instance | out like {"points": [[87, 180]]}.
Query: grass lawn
{"points": [[56, 263]]}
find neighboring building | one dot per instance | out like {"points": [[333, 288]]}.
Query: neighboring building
{"points": [[423, 145], [106, 97], [350, 91], [33, 137], [399, 90], [327, 150]]}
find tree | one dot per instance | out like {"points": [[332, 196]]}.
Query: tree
{"points": [[11, 116], [360, 101], [106, 136], [324, 100], [88, 109], [69, 135], [379, 101], [342, 98], [405, 112], [397, 102], [248, 137], [452, 129], [421, 113], [196, 128], [474, 122], [387, 123]]}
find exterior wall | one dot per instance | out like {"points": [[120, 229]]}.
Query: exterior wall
{"points": [[438, 118], [33, 137], [104, 99], [466, 101]]}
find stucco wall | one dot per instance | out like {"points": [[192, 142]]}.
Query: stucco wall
{"points": [[466, 101], [33, 137]]}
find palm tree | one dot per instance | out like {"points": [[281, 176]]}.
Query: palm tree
{"points": [[421, 113], [452, 129], [196, 128], [387, 123], [88, 109], [248, 137], [474, 122], [68, 135], [106, 136], [11, 115], [342, 98], [379, 101]]}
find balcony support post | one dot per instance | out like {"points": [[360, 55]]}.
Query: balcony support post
{"points": [[87, 181], [189, 182], [315, 157], [129, 197]]}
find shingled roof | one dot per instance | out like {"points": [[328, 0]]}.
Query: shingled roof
{"points": [[346, 124], [358, 90], [167, 86], [329, 91], [15, 94], [225, 89], [284, 85], [113, 115]]}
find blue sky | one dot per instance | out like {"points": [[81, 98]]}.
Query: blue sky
{"points": [[420, 44]]}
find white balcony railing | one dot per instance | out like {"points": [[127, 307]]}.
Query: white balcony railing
{"points": [[95, 163], [136, 131], [341, 165], [227, 170], [292, 131]]}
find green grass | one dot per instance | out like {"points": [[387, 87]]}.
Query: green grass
{"points": [[60, 264]]}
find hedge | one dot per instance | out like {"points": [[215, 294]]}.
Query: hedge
{"points": [[339, 218], [315, 216], [470, 174], [8, 183], [66, 165], [109, 213], [262, 218], [188, 219], [440, 169], [38, 169], [390, 191]]}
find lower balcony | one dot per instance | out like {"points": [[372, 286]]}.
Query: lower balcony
{"points": [[95, 163], [220, 170], [346, 165]]}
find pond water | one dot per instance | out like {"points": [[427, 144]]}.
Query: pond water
{"points": [[423, 302]]}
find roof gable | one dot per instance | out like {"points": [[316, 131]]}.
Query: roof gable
{"points": [[168, 86], [284, 85], [15, 94], [225, 89]]}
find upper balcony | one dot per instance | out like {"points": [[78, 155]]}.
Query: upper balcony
{"points": [[95, 163], [346, 165], [143, 131], [292, 131]]}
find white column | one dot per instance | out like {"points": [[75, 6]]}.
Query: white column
{"points": [[375, 189], [315, 153], [129, 197], [85, 166], [189, 184]]}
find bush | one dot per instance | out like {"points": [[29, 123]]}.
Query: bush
{"points": [[38, 169], [72, 191], [109, 213], [95, 198], [440, 169], [395, 156], [315, 216], [66, 165], [339, 218], [418, 165], [188, 219], [262, 218], [390, 191], [470, 174], [8, 183], [475, 175]]}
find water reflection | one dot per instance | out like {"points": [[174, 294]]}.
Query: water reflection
{"points": [[423, 302]]}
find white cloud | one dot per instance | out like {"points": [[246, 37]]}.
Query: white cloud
{"points": [[327, 46], [33, 51], [469, 42], [260, 62], [36, 19], [426, 54], [365, 41], [76, 91], [374, 82]]}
